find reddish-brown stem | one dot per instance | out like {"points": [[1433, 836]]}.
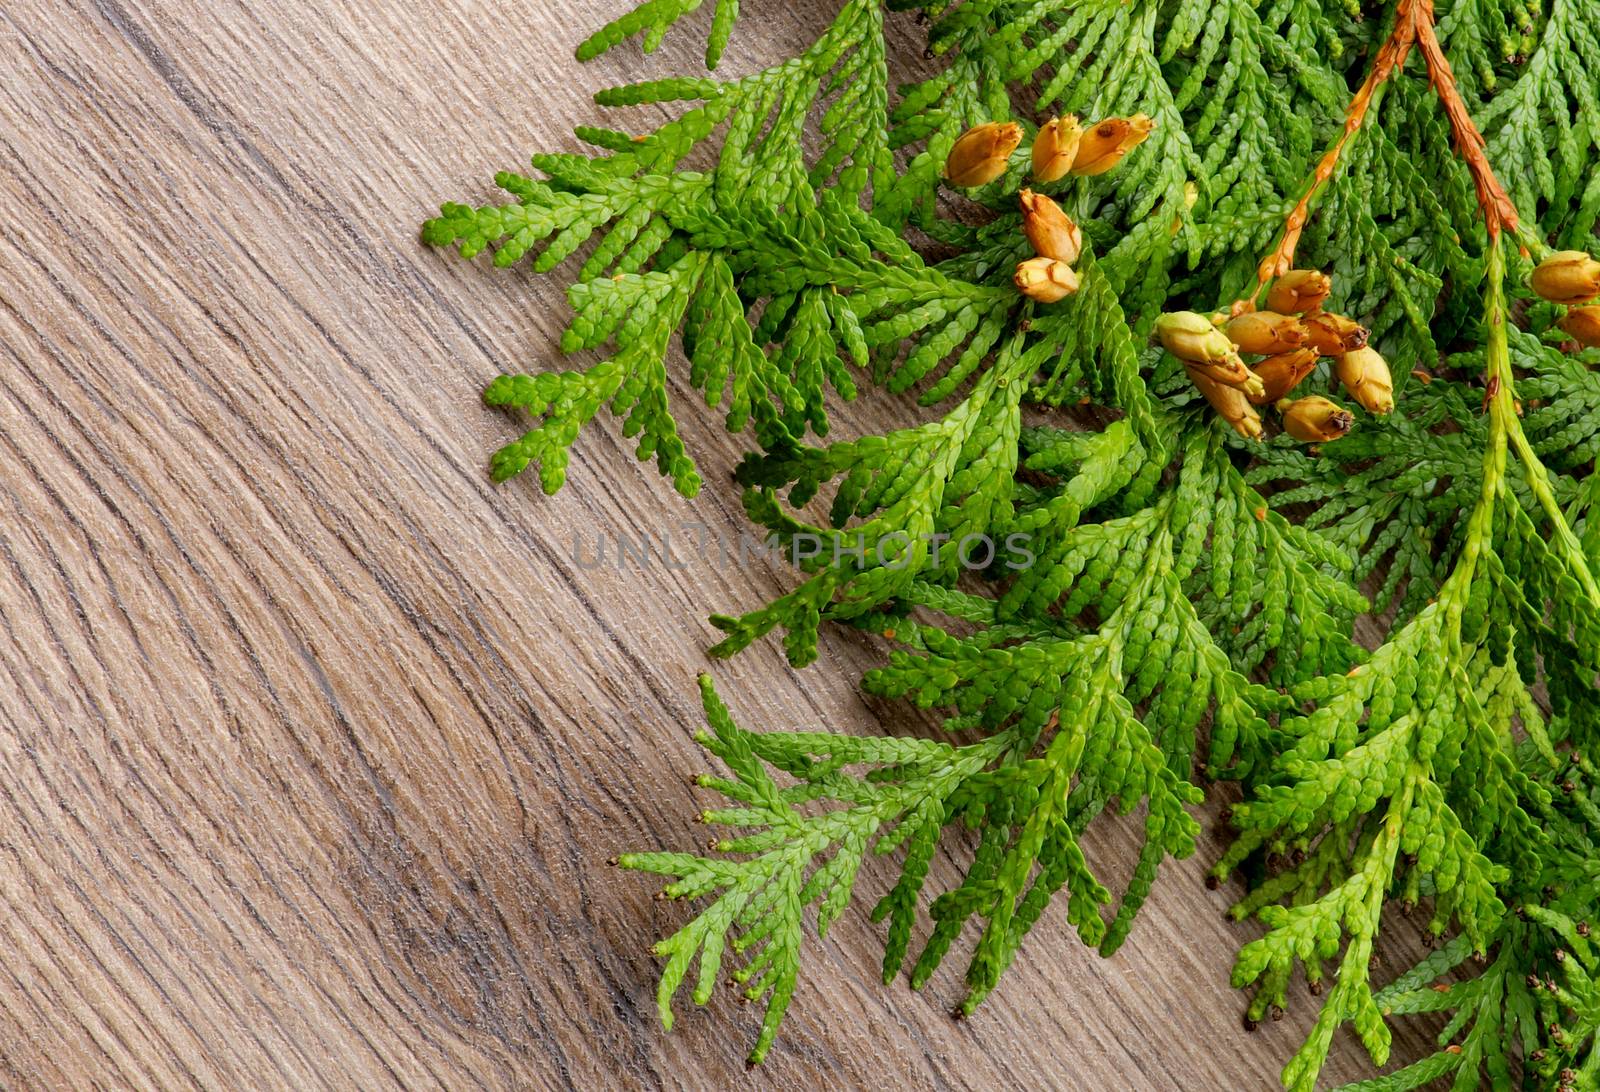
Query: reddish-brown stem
{"points": [[1498, 211], [1413, 26]]}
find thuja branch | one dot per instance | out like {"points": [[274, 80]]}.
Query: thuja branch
{"points": [[1158, 582]]}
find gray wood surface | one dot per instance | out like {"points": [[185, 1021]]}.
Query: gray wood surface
{"points": [[315, 742]]}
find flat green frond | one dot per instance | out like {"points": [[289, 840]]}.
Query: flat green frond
{"points": [[640, 311]]}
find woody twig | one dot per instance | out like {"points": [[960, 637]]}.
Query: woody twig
{"points": [[1413, 27]]}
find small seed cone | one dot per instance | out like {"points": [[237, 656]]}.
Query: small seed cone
{"points": [[1282, 373], [1567, 276], [1103, 146], [1583, 323], [1055, 148], [1051, 231], [1332, 334], [1230, 373], [1299, 290], [1229, 402], [1266, 332], [1045, 280], [1365, 374], [1315, 419], [980, 155], [1193, 339]]}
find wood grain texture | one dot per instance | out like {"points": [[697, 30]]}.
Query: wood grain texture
{"points": [[314, 742]]}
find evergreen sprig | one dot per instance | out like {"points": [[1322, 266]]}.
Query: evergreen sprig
{"points": [[1110, 595]]}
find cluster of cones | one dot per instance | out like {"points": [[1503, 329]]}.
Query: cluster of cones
{"points": [[1294, 332], [1288, 338], [1062, 147], [1285, 341]]}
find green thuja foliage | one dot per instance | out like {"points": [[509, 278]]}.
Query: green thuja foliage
{"points": [[1534, 1004], [1110, 595]]}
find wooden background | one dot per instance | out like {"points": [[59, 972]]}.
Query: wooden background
{"points": [[314, 741]]}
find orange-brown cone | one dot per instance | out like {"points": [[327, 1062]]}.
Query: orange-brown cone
{"points": [[980, 154], [1299, 290], [1567, 276], [1332, 334], [1266, 332], [1282, 373], [1315, 419], [1045, 280], [1102, 147], [1051, 231]]}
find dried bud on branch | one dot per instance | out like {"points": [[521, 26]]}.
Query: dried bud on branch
{"points": [[1051, 231], [1315, 419], [1365, 374], [1055, 148], [1267, 332], [1567, 276], [980, 155], [1045, 280]]}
